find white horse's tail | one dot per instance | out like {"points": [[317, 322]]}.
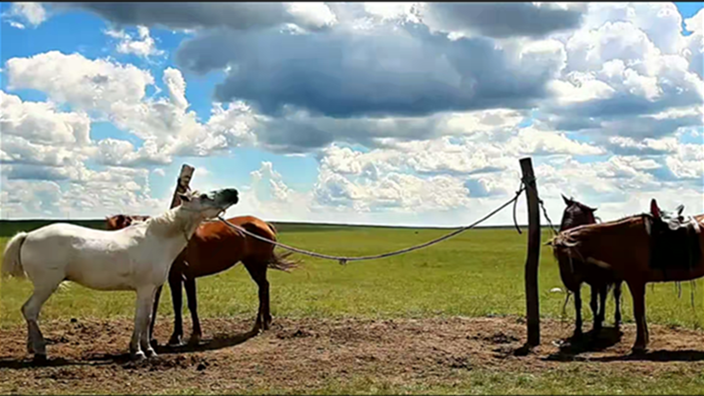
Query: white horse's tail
{"points": [[11, 262]]}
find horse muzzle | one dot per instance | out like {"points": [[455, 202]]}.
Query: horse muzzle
{"points": [[230, 196]]}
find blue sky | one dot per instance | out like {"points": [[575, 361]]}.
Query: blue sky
{"points": [[404, 113]]}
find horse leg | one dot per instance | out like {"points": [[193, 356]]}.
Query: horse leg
{"points": [[30, 310], [141, 321], [603, 290], [258, 273], [145, 337], [196, 334], [617, 297], [638, 293], [152, 341], [595, 307], [578, 313], [175, 282]]}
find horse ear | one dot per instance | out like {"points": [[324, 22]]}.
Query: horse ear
{"points": [[568, 201], [593, 209], [654, 210], [679, 210]]}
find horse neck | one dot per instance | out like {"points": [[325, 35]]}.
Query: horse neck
{"points": [[570, 269], [175, 222]]}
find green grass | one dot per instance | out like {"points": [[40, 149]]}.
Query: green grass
{"points": [[478, 273]]}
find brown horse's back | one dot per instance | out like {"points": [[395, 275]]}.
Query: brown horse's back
{"points": [[215, 247]]}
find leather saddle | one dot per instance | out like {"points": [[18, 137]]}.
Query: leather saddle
{"points": [[674, 239]]}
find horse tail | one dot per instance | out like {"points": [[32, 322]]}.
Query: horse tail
{"points": [[11, 261], [280, 261]]}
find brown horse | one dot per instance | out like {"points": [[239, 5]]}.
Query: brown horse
{"points": [[574, 273], [214, 248], [633, 249]]}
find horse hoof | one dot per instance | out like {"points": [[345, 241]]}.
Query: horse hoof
{"points": [[639, 349], [175, 342], [150, 353], [39, 359], [194, 340], [138, 356]]}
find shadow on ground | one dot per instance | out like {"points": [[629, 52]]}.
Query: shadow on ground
{"points": [[218, 342]]}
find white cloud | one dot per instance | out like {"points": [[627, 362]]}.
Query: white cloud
{"points": [[33, 13], [86, 84], [687, 162], [403, 11], [177, 87], [314, 15], [695, 23], [117, 92], [16, 25], [88, 194], [144, 45], [42, 123]]}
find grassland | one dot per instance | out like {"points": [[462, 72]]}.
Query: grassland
{"points": [[476, 274]]}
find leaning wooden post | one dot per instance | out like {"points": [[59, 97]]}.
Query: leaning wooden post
{"points": [[533, 257], [182, 184]]}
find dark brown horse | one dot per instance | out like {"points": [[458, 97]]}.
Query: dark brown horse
{"points": [[214, 248], [633, 249], [574, 273]]}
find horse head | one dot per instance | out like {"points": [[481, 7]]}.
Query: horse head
{"points": [[210, 204], [576, 214]]}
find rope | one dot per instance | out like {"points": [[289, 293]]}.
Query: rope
{"points": [[542, 204], [345, 259]]}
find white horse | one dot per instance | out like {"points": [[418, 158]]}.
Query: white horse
{"points": [[136, 258]]}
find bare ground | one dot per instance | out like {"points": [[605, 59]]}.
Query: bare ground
{"points": [[307, 355]]}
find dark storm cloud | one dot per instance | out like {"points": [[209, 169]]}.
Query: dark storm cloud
{"points": [[34, 172], [188, 15], [387, 72], [625, 115], [502, 20], [298, 134]]}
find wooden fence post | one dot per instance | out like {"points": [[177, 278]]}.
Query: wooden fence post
{"points": [[533, 256], [182, 184]]}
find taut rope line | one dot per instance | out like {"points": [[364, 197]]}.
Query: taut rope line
{"points": [[345, 259]]}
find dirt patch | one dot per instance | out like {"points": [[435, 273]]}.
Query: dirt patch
{"points": [[306, 354]]}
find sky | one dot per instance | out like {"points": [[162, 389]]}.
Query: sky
{"points": [[410, 114]]}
